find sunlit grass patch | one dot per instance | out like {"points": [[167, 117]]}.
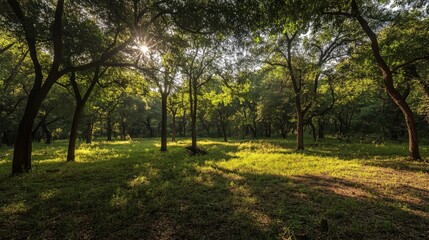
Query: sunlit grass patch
{"points": [[119, 199], [261, 189], [138, 180], [15, 208], [48, 194]]}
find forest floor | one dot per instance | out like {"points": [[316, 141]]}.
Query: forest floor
{"points": [[259, 189]]}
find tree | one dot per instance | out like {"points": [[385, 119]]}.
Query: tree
{"points": [[386, 71], [14, 62], [304, 62], [161, 69], [24, 16], [81, 101], [197, 61]]}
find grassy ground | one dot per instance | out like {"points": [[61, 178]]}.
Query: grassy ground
{"points": [[240, 190]]}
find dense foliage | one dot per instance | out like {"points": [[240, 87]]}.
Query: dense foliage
{"points": [[243, 69]]}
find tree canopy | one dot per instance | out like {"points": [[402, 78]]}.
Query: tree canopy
{"points": [[244, 69]]}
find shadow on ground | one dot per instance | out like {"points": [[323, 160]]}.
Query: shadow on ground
{"points": [[151, 195]]}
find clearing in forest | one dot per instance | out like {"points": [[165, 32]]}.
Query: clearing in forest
{"points": [[260, 189]]}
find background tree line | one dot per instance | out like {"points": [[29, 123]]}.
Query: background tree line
{"points": [[243, 69]]}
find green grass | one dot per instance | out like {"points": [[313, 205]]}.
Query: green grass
{"points": [[240, 190]]}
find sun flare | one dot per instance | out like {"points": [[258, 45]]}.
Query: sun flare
{"points": [[144, 48]]}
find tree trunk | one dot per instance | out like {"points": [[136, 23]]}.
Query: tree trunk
{"points": [[283, 131], [88, 134], [47, 133], [223, 126], [164, 123], [207, 130], [109, 128], [22, 150], [299, 124], [73, 132], [413, 143], [194, 115], [149, 127], [254, 129], [321, 129], [313, 130], [254, 132], [123, 129], [219, 131], [174, 130], [184, 123], [268, 129]]}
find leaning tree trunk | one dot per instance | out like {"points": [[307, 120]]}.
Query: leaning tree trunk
{"points": [[22, 150], [80, 105], [164, 122], [73, 132], [413, 143]]}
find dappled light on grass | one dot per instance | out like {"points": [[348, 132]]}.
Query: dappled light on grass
{"points": [[48, 194], [137, 181], [15, 208], [119, 199], [240, 190]]}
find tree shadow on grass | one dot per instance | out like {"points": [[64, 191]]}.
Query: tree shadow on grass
{"points": [[137, 196], [154, 195], [401, 164], [352, 210]]}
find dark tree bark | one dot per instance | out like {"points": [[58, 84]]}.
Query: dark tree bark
{"points": [[148, 123], [88, 132], [174, 127], [413, 142], [80, 105], [184, 123], [223, 126], [73, 132], [321, 128], [313, 130], [109, 128], [23, 146], [193, 87], [283, 132], [47, 133], [268, 128], [123, 129], [254, 129], [299, 124], [164, 122]]}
